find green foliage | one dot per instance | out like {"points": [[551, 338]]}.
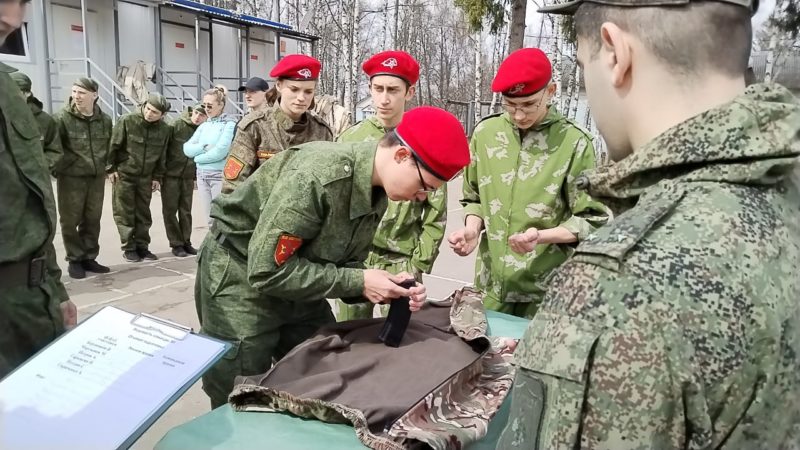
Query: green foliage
{"points": [[478, 11]]}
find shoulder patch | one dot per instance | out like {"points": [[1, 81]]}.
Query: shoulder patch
{"points": [[617, 238], [233, 167], [249, 118], [286, 247]]}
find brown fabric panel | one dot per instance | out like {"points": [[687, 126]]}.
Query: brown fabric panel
{"points": [[345, 363]]}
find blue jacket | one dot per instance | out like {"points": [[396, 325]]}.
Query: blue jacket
{"points": [[210, 143]]}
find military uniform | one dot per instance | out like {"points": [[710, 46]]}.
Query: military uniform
{"points": [[263, 133], [137, 155], [30, 288], [81, 179], [409, 235], [521, 180], [178, 185], [47, 125], [677, 325], [315, 201]]}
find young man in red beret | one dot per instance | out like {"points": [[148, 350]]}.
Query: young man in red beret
{"points": [[522, 189], [298, 231], [409, 235]]}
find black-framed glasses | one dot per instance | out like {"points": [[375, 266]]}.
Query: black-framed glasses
{"points": [[425, 188], [525, 108]]}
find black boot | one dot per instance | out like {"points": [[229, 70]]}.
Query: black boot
{"points": [[76, 270], [146, 254], [93, 266], [189, 249], [179, 252], [131, 255]]}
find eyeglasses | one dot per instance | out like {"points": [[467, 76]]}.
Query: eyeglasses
{"points": [[425, 188], [525, 108]]}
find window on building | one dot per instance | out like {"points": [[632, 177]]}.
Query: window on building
{"points": [[16, 46]]}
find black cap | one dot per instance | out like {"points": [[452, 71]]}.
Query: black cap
{"points": [[255, 84]]}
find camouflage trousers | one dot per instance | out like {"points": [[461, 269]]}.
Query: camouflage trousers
{"points": [[80, 207], [176, 205], [393, 264], [30, 318], [131, 206], [259, 329]]}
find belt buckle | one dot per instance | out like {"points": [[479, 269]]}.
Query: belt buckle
{"points": [[36, 271]]}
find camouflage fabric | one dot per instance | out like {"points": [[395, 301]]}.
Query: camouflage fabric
{"points": [[177, 188], [410, 233], [81, 179], [521, 180], [454, 413], [138, 149], [85, 141], [677, 325], [275, 254], [51, 142], [30, 316], [263, 133]]}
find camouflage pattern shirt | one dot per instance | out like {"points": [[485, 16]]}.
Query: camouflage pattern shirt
{"points": [[305, 222], [176, 163], [677, 326], [263, 133], [85, 141], [49, 130], [518, 181], [409, 231], [138, 147]]}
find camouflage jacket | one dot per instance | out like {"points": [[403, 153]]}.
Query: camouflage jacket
{"points": [[446, 408], [304, 223], [263, 133], [28, 216], [677, 326], [516, 183], [176, 163], [409, 231], [84, 140], [138, 147], [49, 130]]}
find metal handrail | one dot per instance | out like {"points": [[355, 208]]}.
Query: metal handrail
{"points": [[115, 88], [230, 100], [184, 92]]}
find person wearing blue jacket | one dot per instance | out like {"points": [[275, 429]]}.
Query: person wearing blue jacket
{"points": [[209, 146]]}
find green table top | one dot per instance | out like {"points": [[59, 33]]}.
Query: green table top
{"points": [[224, 428]]}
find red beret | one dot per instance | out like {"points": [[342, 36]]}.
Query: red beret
{"points": [[393, 62], [524, 72], [297, 67], [437, 139]]}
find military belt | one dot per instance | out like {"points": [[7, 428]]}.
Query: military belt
{"points": [[224, 242], [30, 272]]}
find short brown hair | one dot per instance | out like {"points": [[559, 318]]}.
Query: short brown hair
{"points": [[687, 39]]}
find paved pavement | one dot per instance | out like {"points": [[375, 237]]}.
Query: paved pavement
{"points": [[165, 288]]}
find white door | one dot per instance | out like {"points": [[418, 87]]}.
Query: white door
{"points": [[178, 55], [68, 39]]}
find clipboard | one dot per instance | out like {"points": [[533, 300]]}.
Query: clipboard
{"points": [[104, 383]]}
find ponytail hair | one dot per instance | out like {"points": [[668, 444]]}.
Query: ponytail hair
{"points": [[219, 92]]}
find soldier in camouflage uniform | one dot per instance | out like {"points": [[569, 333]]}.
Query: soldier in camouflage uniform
{"points": [[34, 306], [47, 125], [298, 231], [85, 133], [521, 189], [287, 122], [177, 188], [409, 235], [677, 325], [136, 168]]}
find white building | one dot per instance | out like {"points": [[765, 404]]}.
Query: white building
{"points": [[192, 47]]}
